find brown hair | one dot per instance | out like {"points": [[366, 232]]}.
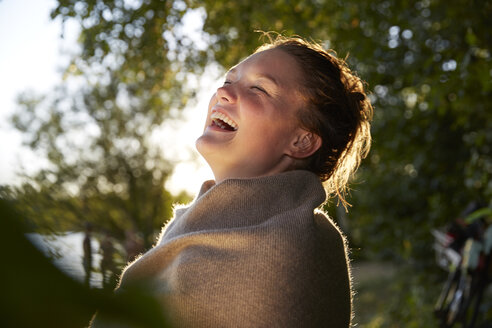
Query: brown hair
{"points": [[336, 109]]}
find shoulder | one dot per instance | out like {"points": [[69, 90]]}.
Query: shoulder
{"points": [[313, 230], [316, 238], [327, 274], [332, 251], [328, 232]]}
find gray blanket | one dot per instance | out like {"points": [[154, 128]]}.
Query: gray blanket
{"points": [[251, 253]]}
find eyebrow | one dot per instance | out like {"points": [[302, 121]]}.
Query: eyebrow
{"points": [[263, 76]]}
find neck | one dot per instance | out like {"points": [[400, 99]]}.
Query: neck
{"points": [[222, 173]]}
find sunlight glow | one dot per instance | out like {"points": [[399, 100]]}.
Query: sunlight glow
{"points": [[33, 57]]}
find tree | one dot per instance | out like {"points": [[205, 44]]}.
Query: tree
{"points": [[431, 90], [101, 162], [429, 76], [427, 62]]}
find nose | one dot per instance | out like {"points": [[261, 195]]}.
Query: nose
{"points": [[226, 94]]}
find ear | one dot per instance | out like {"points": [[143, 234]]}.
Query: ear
{"points": [[304, 144]]}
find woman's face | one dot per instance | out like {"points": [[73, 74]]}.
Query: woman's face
{"points": [[251, 124]]}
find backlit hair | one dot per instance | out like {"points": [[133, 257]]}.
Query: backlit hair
{"points": [[336, 108]]}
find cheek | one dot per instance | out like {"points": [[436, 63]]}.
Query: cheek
{"points": [[211, 103], [255, 106]]}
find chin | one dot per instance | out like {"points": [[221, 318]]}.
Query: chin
{"points": [[208, 145], [200, 145], [204, 149]]}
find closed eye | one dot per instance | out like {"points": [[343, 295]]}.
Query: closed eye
{"points": [[259, 88], [226, 82]]}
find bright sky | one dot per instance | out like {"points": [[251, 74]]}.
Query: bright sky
{"points": [[31, 56]]}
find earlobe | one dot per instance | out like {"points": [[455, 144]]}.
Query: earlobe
{"points": [[306, 144]]}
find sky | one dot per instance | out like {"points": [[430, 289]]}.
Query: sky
{"points": [[32, 55], [28, 61]]}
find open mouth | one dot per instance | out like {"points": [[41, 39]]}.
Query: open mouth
{"points": [[223, 122]]}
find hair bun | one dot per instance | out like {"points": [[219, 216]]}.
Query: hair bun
{"points": [[358, 96]]}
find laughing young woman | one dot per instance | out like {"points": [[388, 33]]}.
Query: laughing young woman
{"points": [[283, 133]]}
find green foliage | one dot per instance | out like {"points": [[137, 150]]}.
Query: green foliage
{"points": [[390, 297], [95, 129], [430, 79], [41, 211], [35, 293], [427, 62], [429, 67], [431, 155]]}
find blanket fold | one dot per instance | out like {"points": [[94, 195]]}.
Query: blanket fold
{"points": [[251, 253]]}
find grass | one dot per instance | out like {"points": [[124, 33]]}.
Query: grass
{"points": [[391, 297]]}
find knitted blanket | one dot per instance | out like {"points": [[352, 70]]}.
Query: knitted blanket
{"points": [[251, 253]]}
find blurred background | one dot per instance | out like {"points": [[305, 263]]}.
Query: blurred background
{"points": [[102, 101]]}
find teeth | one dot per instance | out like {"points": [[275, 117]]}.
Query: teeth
{"points": [[219, 116]]}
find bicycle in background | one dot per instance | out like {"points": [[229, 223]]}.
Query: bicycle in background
{"points": [[465, 249]]}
